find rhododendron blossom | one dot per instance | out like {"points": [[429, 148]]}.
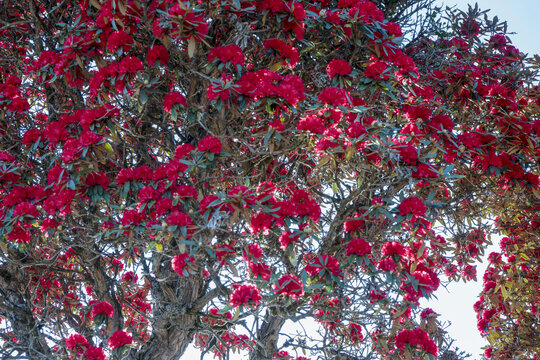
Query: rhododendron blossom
{"points": [[290, 285], [245, 295], [119, 339], [103, 308]]}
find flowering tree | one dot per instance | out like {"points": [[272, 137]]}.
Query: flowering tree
{"points": [[222, 173]]}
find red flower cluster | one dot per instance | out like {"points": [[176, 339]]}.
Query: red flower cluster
{"points": [[119, 39], [210, 144], [287, 52], [365, 10], [77, 343], [377, 70], [392, 248], [260, 269], [412, 205], [172, 98], [334, 96], [94, 353], [265, 83], [338, 67], [230, 53], [324, 262], [178, 218], [358, 247], [180, 263], [245, 295], [118, 339], [416, 338], [286, 238], [102, 308], [355, 333], [157, 52], [290, 285], [193, 26]]}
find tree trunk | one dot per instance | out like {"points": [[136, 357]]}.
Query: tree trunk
{"points": [[267, 337]]}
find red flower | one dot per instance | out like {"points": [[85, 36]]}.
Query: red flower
{"points": [[286, 238], [260, 269], [246, 295], [290, 285], [408, 153], [179, 218], [417, 338], [334, 96], [393, 248], [26, 208], [130, 64], [132, 217], [338, 67], [224, 251], [355, 130], [97, 179], [324, 262], [102, 308], [412, 205], [359, 247], [230, 53], [32, 136], [118, 339], [255, 251], [377, 70], [284, 50], [312, 123], [180, 262], [355, 333], [173, 98], [393, 29], [387, 264], [119, 39], [157, 52], [376, 295], [77, 343], [147, 193], [210, 144], [94, 353]]}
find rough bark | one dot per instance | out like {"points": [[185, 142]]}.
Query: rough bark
{"points": [[267, 337]]}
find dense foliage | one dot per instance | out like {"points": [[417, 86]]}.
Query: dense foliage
{"points": [[283, 179]]}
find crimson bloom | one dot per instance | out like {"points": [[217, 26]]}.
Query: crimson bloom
{"points": [[77, 343], [246, 295], [210, 144], [94, 353], [324, 262], [355, 332], [102, 308], [290, 285], [416, 338], [412, 205], [180, 262], [230, 53], [157, 52], [377, 70], [358, 247], [118, 339], [338, 67], [172, 98]]}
